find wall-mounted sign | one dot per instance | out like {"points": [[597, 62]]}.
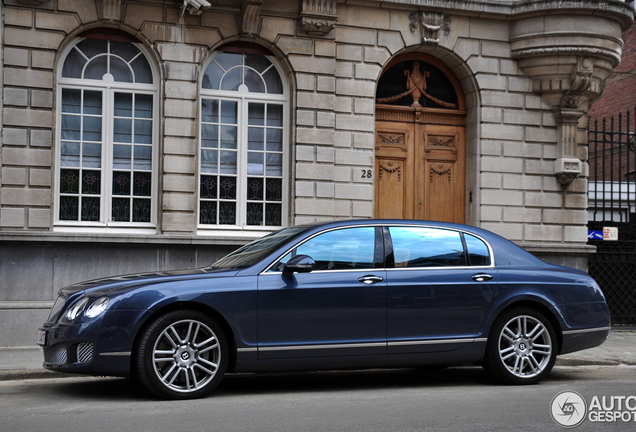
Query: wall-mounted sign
{"points": [[610, 233]]}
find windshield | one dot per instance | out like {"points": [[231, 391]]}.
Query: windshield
{"points": [[253, 252]]}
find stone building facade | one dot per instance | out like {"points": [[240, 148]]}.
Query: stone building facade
{"points": [[157, 134]]}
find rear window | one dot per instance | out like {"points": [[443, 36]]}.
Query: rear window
{"points": [[427, 247], [478, 253]]}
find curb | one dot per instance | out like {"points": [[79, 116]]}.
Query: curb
{"points": [[33, 374]]}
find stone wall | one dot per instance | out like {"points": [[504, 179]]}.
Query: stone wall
{"points": [[518, 64]]}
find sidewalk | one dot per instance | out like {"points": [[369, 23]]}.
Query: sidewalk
{"points": [[26, 362]]}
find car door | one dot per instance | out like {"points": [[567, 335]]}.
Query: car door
{"points": [[437, 301], [337, 309]]}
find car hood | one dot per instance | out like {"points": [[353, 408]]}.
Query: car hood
{"points": [[113, 284]]}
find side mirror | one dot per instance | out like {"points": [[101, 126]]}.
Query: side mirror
{"points": [[299, 264]]}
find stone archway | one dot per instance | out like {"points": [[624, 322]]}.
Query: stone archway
{"points": [[420, 141]]}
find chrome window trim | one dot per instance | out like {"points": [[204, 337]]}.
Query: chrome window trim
{"points": [[490, 251]]}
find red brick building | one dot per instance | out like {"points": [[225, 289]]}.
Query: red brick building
{"points": [[612, 121]]}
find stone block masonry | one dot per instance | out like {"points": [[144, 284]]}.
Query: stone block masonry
{"points": [[515, 63]]}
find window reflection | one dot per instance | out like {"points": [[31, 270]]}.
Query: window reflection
{"points": [[427, 247], [343, 249]]}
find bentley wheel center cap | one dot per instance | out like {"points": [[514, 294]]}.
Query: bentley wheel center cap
{"points": [[185, 356]]}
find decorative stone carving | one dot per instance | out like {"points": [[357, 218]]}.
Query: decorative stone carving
{"points": [[194, 7], [251, 17], [580, 81], [568, 65], [430, 24], [567, 167], [318, 17], [110, 10]]}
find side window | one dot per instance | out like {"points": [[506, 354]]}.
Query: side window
{"points": [[427, 247], [478, 253], [344, 249]]}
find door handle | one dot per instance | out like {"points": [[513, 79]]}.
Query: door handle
{"points": [[370, 279], [482, 277]]}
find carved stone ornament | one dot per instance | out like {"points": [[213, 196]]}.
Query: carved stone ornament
{"points": [[251, 17], [430, 23], [193, 7], [110, 10], [568, 166], [318, 17], [580, 82]]}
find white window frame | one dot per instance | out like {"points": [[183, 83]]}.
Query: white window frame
{"points": [[108, 89], [243, 98]]}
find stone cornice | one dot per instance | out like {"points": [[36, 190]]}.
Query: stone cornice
{"points": [[514, 9], [614, 57]]}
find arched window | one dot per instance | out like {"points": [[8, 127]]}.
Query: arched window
{"points": [[242, 168], [107, 97]]}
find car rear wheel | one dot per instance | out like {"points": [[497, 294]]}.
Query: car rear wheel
{"points": [[521, 348], [182, 355]]}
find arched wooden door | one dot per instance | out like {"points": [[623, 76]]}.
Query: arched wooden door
{"points": [[420, 146]]}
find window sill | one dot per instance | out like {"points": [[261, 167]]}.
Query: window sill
{"points": [[48, 237]]}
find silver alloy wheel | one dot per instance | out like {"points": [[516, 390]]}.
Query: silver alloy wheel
{"points": [[525, 346], [186, 356]]}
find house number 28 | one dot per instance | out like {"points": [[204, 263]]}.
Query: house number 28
{"points": [[366, 174]]}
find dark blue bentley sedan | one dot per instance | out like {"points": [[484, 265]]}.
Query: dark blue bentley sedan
{"points": [[348, 294]]}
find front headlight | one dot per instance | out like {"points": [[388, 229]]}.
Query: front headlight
{"points": [[97, 307], [76, 309]]}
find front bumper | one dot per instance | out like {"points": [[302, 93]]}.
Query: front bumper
{"points": [[102, 346]]}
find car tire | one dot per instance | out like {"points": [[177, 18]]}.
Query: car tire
{"points": [[181, 355], [521, 348]]}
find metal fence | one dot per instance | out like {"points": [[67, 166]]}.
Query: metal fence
{"points": [[612, 203]]}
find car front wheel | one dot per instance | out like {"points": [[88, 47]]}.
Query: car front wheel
{"points": [[182, 355], [521, 348]]}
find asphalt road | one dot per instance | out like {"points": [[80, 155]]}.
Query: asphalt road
{"points": [[456, 399]]}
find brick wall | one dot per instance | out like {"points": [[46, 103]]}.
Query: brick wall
{"points": [[618, 98], [620, 90]]}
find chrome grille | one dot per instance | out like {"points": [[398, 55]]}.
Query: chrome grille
{"points": [[60, 355], [85, 352]]}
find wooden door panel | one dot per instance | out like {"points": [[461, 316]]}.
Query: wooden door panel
{"points": [[391, 189], [441, 190], [394, 171], [442, 181], [419, 171]]}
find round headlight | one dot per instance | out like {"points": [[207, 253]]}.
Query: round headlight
{"points": [[97, 307], [76, 309]]}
